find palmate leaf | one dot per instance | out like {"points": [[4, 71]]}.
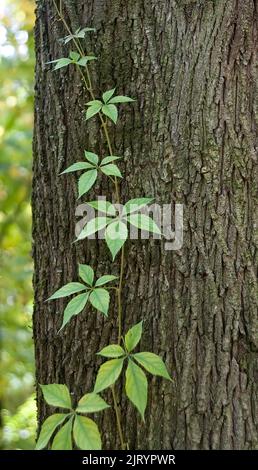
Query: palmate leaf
{"points": [[91, 403], [110, 110], [57, 395], [109, 159], [63, 439], [111, 170], [137, 204], [92, 110], [107, 95], [60, 63], [74, 56], [144, 222], [86, 434], [136, 386], [133, 336], [103, 206], [79, 34], [85, 59], [86, 273], [94, 226], [108, 374], [77, 167], [91, 157], [75, 306], [152, 363], [112, 351], [105, 279], [68, 289], [116, 234], [48, 427], [86, 181], [120, 99], [100, 298]]}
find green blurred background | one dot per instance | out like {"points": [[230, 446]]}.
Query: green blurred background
{"points": [[18, 413]]}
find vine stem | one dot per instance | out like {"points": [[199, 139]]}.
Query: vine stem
{"points": [[89, 88]]}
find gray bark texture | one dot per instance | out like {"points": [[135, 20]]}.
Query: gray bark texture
{"points": [[190, 138]]}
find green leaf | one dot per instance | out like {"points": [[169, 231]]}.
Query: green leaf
{"points": [[68, 289], [136, 387], [94, 226], [152, 363], [80, 34], [86, 273], [92, 110], [110, 110], [94, 103], [74, 56], [116, 234], [103, 206], [113, 350], [75, 306], [100, 298], [121, 99], [86, 181], [77, 166], [63, 62], [110, 158], [86, 434], [91, 157], [104, 279], [143, 222], [63, 439], [85, 59], [108, 374], [111, 170], [91, 403], [136, 204], [48, 427], [57, 395], [107, 95], [133, 336]]}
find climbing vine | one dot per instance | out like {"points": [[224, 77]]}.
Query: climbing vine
{"points": [[72, 427]]}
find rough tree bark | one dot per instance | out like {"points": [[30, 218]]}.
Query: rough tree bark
{"points": [[190, 138]]}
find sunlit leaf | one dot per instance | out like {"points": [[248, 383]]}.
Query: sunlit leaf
{"points": [[108, 374], [57, 395], [121, 99], [113, 350], [68, 289], [116, 234], [133, 336], [91, 157], [110, 110], [91, 403], [111, 170], [144, 222], [100, 298], [86, 273], [86, 434], [93, 226], [48, 427], [104, 279], [152, 363], [136, 387], [86, 181], [63, 439], [75, 306], [107, 95]]}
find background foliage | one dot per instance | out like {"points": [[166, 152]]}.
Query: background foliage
{"points": [[16, 122]]}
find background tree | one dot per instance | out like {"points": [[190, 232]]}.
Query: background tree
{"points": [[190, 138], [17, 422]]}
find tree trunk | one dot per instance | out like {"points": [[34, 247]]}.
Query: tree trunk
{"points": [[190, 138]]}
